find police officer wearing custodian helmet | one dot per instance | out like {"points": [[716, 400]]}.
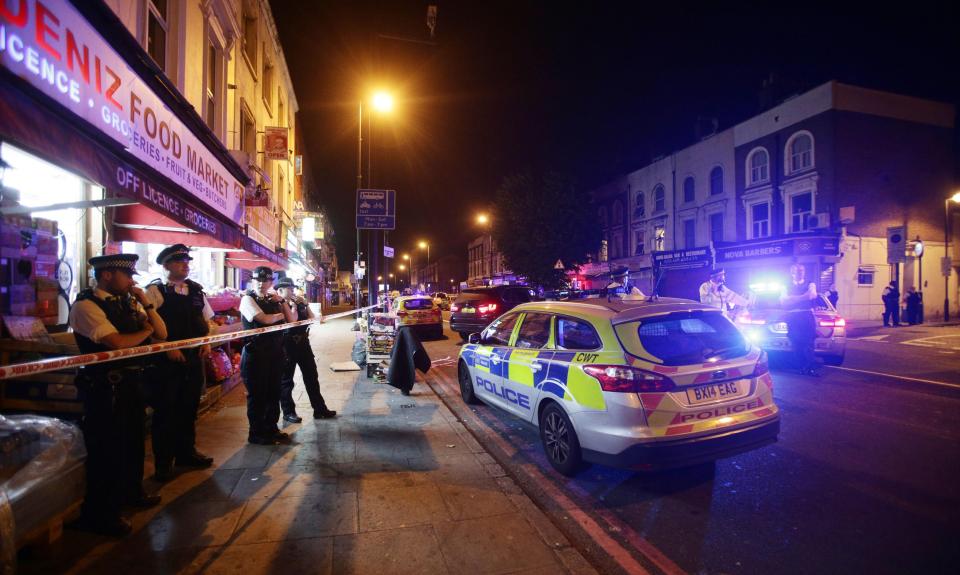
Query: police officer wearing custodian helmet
{"points": [[262, 358], [115, 315]]}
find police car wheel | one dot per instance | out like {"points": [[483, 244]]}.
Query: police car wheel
{"points": [[560, 441], [466, 385], [463, 335]]}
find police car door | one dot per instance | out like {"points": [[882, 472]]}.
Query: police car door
{"points": [[490, 362], [528, 364], [576, 343]]}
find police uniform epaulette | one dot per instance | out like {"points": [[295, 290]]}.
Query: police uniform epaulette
{"points": [[86, 294]]}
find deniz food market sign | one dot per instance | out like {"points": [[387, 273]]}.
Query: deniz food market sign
{"points": [[51, 46]]}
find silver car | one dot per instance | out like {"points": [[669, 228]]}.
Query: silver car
{"points": [[764, 324]]}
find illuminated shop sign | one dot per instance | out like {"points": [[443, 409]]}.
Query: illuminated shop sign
{"points": [[51, 46]]}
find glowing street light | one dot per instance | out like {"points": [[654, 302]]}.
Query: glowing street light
{"points": [[383, 102], [483, 219]]}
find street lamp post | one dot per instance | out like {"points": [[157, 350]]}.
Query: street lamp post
{"points": [[425, 245], [946, 253]]}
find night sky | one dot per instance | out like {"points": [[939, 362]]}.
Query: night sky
{"points": [[593, 89]]}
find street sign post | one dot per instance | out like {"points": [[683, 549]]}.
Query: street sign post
{"points": [[387, 252], [376, 209], [897, 244]]}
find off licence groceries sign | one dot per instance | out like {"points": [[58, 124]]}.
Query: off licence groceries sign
{"points": [[51, 46], [376, 209]]}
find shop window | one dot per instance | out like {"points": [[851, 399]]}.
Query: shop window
{"points": [[157, 30], [659, 199], [716, 228], [758, 166], [689, 190], [689, 234], [760, 220], [865, 277], [716, 181], [659, 237]]}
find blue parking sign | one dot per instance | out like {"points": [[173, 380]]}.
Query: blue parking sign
{"points": [[376, 209]]}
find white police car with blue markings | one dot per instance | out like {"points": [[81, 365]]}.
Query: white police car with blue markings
{"points": [[628, 383]]}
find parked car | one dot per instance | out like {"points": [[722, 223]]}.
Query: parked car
{"points": [[637, 384], [475, 308], [420, 313], [442, 299], [763, 323]]}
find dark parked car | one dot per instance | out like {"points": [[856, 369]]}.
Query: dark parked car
{"points": [[475, 308]]}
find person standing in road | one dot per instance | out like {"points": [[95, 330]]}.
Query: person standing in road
{"points": [[799, 301], [891, 305], [297, 351], [259, 360], [176, 383], [115, 315], [833, 296]]}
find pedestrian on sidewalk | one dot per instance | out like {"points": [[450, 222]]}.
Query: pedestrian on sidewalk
{"points": [[114, 315], [912, 300], [891, 305], [260, 307], [297, 351], [175, 383], [799, 301]]}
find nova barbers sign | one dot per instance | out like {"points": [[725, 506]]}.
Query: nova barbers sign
{"points": [[51, 46]]}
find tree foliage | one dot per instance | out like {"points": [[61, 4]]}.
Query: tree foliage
{"points": [[540, 218]]}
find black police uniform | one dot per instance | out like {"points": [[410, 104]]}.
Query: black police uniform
{"points": [[802, 326], [259, 365], [297, 351], [175, 388], [113, 421]]}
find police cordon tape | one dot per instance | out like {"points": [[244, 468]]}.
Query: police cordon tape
{"points": [[55, 363]]}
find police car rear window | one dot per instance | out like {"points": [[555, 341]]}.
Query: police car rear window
{"points": [[684, 339], [420, 303]]}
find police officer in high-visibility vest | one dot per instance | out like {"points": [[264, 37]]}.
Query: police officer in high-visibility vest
{"points": [[176, 383], [262, 359], [115, 315], [297, 351]]}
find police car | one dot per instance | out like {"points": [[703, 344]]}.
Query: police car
{"points": [[627, 383]]}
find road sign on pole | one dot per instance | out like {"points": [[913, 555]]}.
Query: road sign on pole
{"points": [[376, 209], [896, 244], [387, 252]]}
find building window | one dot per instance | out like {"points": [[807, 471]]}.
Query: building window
{"points": [[865, 277], [689, 234], [214, 87], [800, 152], [716, 227], [616, 250], [602, 216], [639, 209], [250, 37], [659, 199], [716, 181], [248, 134], [659, 235], [604, 251], [267, 85], [758, 166], [281, 112], [158, 29], [801, 207], [760, 220], [638, 241], [689, 192], [617, 214]]}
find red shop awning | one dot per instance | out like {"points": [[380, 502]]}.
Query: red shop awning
{"points": [[255, 254], [138, 223]]}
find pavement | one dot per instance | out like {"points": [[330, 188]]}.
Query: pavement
{"points": [[394, 484], [860, 328]]}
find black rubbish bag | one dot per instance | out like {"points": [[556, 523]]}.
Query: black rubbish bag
{"points": [[407, 356]]}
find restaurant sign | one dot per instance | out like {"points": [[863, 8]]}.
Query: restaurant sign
{"points": [[52, 47]]}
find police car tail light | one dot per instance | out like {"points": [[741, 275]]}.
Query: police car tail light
{"points": [[839, 322], [622, 379], [747, 320], [763, 365], [402, 313]]}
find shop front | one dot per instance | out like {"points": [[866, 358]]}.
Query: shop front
{"points": [[768, 261]]}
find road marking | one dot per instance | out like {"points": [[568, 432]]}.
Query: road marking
{"points": [[871, 338], [594, 530], [903, 377]]}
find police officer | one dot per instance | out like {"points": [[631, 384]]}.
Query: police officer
{"points": [[259, 363], [799, 301], [176, 383], [297, 351], [714, 292], [115, 315]]}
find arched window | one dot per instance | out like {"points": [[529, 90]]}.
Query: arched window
{"points": [[617, 214], [716, 181], [799, 152], [639, 208], [689, 190], [659, 199], [758, 166]]}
